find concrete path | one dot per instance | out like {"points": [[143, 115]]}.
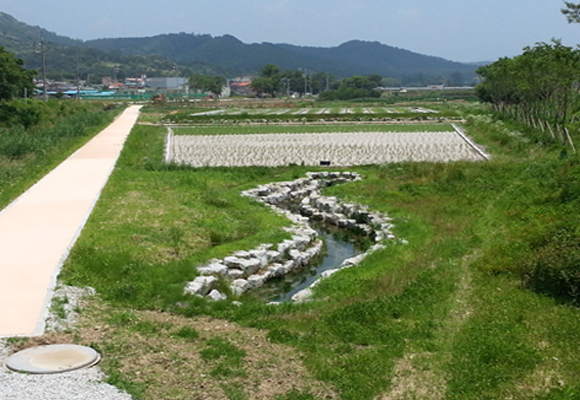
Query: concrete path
{"points": [[39, 228]]}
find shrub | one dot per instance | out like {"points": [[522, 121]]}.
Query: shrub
{"points": [[555, 268]]}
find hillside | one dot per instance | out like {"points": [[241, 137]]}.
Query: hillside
{"points": [[226, 55], [66, 58], [350, 58], [19, 37]]}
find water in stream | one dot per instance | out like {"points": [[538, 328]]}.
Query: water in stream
{"points": [[339, 246]]}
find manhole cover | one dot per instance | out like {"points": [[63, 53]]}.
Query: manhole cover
{"points": [[53, 359]]}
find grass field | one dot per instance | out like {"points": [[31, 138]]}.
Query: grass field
{"points": [[272, 129], [27, 154], [454, 314]]}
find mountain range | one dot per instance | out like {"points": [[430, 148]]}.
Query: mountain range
{"points": [[226, 55]]}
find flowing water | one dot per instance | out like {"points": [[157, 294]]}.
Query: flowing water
{"points": [[339, 245]]}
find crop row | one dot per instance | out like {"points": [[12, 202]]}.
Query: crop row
{"points": [[320, 111], [339, 149]]}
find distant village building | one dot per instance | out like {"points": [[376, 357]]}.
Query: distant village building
{"points": [[242, 88], [167, 83], [107, 81], [134, 83]]}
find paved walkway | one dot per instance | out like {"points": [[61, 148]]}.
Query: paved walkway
{"points": [[39, 228]]}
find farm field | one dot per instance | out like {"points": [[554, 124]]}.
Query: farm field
{"points": [[341, 149], [320, 111], [449, 311]]}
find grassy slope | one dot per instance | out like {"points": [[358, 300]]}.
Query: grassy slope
{"points": [[268, 129], [40, 149], [445, 316]]}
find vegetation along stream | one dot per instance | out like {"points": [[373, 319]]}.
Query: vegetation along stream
{"points": [[339, 245]]}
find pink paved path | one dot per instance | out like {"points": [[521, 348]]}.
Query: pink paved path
{"points": [[39, 228]]}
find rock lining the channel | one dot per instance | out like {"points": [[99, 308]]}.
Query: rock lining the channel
{"points": [[246, 270]]}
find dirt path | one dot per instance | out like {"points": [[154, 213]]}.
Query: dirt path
{"points": [[421, 375], [38, 229]]}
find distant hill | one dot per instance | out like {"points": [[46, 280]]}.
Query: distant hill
{"points": [[66, 58], [351, 58], [226, 55], [18, 37]]}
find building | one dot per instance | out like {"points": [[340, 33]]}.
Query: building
{"points": [[167, 83]]}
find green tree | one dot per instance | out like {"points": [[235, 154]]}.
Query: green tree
{"points": [[375, 78], [13, 77], [207, 83], [358, 82], [321, 81], [270, 71], [572, 12], [538, 87], [295, 79], [391, 82], [269, 80], [262, 85]]}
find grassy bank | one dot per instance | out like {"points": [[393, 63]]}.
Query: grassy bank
{"points": [[36, 137], [269, 129], [479, 304]]}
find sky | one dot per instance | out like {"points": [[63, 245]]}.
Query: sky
{"points": [[458, 30]]}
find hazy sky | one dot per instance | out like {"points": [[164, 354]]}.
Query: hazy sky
{"points": [[459, 30]]}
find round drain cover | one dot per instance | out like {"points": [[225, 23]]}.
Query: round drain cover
{"points": [[53, 359]]}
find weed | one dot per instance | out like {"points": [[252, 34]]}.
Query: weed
{"points": [[235, 393], [58, 307], [296, 395], [228, 358], [188, 333]]}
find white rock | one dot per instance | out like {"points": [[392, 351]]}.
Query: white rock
{"points": [[239, 286], [302, 296], [217, 296], [242, 254], [233, 262], [285, 246], [273, 256], [329, 272], [295, 254], [255, 281], [301, 242], [261, 256], [212, 269], [235, 273], [276, 270], [289, 266], [201, 285], [250, 266], [315, 249]]}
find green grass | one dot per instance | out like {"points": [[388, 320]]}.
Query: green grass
{"points": [[227, 358], [27, 154], [187, 333], [166, 221], [274, 129], [467, 303]]}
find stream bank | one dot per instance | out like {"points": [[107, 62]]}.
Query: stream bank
{"points": [[247, 270]]}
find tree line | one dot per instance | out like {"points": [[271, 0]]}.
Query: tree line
{"points": [[539, 87], [272, 81]]}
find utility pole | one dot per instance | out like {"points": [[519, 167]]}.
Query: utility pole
{"points": [[305, 81], [42, 52], [78, 81]]}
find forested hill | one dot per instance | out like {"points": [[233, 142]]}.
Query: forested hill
{"points": [[351, 58], [225, 55], [18, 37]]}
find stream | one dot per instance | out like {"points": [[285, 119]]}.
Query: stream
{"points": [[339, 245]]}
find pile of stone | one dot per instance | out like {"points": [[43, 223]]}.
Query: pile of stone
{"points": [[245, 270]]}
